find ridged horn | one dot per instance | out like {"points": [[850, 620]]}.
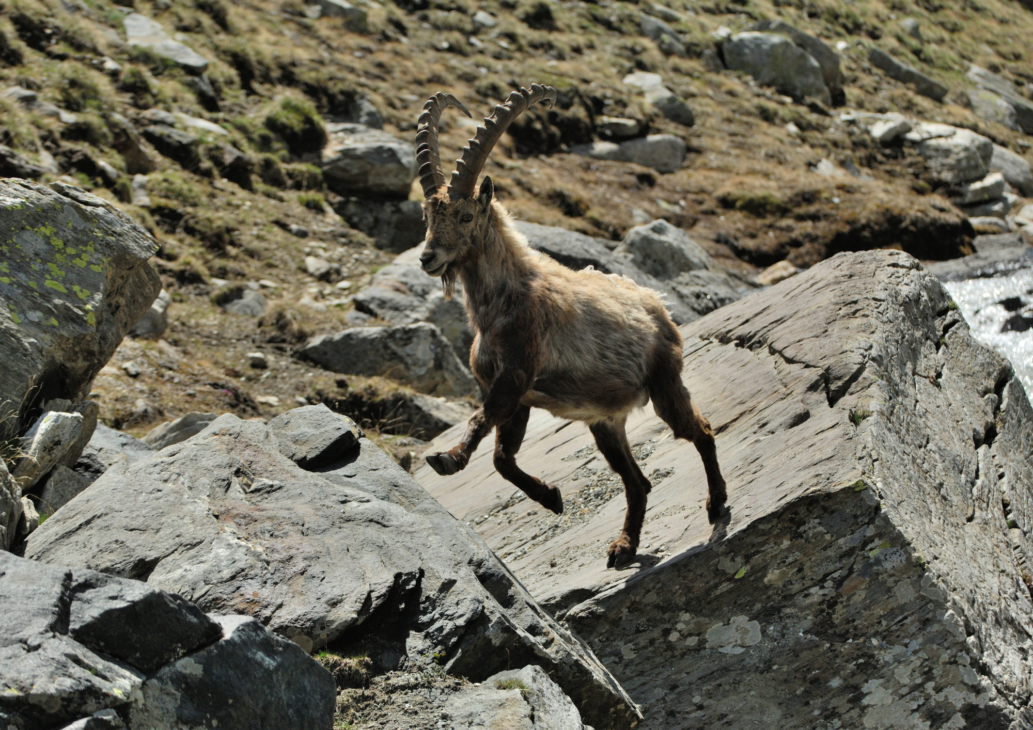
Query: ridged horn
{"points": [[428, 159], [475, 154]]}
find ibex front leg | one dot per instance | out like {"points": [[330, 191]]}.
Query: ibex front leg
{"points": [[508, 438], [501, 404]]}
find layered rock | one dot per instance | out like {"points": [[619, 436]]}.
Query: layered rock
{"points": [[354, 556], [879, 481], [78, 646], [74, 279]]}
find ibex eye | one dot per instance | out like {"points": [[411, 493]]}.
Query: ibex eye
{"points": [[466, 218]]}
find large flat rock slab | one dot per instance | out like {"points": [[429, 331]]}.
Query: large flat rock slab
{"points": [[351, 555], [872, 573]]}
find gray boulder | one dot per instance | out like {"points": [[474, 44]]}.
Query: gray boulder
{"points": [[172, 432], [518, 699], [993, 108], [774, 60], [1022, 107], [416, 354], [314, 436], [62, 485], [394, 225], [355, 555], [245, 302], [142, 31], [663, 99], [10, 508], [665, 37], [362, 161], [46, 444], [877, 460], [989, 188], [663, 251], [662, 152], [954, 155], [73, 283], [177, 145], [155, 321], [1015, 168], [907, 74], [827, 58], [106, 448], [77, 645]]}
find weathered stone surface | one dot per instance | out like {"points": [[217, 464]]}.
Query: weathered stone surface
{"points": [[663, 251], [155, 321], [172, 432], [998, 208], [315, 436], [300, 693], [887, 131], [548, 707], [954, 155], [671, 105], [10, 508], [14, 165], [233, 164], [57, 330], [106, 448], [417, 354], [75, 642], [665, 37], [995, 255], [991, 107], [142, 31], [907, 74], [394, 225], [356, 557], [367, 162], [989, 188], [774, 60], [662, 152], [60, 487], [245, 302], [827, 58], [1015, 168], [776, 273], [45, 445], [175, 144], [869, 444], [1021, 106]]}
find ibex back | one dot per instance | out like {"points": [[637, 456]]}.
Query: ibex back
{"points": [[580, 344]]}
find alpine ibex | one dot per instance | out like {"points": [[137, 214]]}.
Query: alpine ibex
{"points": [[582, 345]]}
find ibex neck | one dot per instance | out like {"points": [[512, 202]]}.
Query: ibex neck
{"points": [[495, 281]]}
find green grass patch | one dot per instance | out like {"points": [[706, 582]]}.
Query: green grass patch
{"points": [[295, 120], [313, 201]]}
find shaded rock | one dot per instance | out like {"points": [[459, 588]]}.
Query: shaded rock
{"points": [[323, 270], [174, 144], [1023, 107], [847, 400], [671, 105], [663, 251], [29, 520], [990, 187], [1015, 168], [89, 410], [991, 107], [245, 302], [45, 445], [997, 208], [343, 9], [232, 164], [10, 508], [155, 321], [142, 31], [100, 720], [989, 225], [314, 436], [61, 487], [827, 58], [995, 255], [356, 557], [30, 101], [907, 74], [367, 162], [106, 448], [109, 173], [172, 432], [417, 354], [666, 39], [204, 90], [126, 141], [14, 165], [159, 116], [774, 60], [394, 225], [258, 360], [954, 155], [662, 152]]}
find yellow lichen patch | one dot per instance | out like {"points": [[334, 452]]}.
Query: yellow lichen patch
{"points": [[55, 285]]}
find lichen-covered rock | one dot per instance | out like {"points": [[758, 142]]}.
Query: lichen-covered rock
{"points": [[74, 279], [879, 481], [355, 556]]}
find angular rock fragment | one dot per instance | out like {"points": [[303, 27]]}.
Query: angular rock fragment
{"points": [[662, 152], [314, 436], [774, 60], [142, 31], [827, 58], [368, 162], [907, 74], [175, 144], [155, 320], [46, 444], [172, 432], [1015, 168]]}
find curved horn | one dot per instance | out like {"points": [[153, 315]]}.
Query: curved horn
{"points": [[428, 160], [475, 154]]}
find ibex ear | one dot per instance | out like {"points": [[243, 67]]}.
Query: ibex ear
{"points": [[486, 193]]}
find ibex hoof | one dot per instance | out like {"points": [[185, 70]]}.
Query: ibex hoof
{"points": [[554, 501], [716, 513], [444, 463], [620, 553]]}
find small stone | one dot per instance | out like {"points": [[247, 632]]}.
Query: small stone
{"points": [[886, 131], [299, 231], [775, 273], [131, 368], [321, 269], [257, 360], [267, 284], [248, 303], [138, 191], [912, 28], [109, 173], [308, 302], [618, 127], [267, 400], [29, 520], [989, 188], [483, 19], [314, 436], [155, 320], [343, 285]]}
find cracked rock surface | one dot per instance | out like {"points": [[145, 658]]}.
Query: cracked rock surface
{"points": [[874, 569], [354, 556]]}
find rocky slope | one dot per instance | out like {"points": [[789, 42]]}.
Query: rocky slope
{"points": [[875, 568]]}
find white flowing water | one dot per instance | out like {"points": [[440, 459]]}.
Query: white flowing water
{"points": [[980, 302]]}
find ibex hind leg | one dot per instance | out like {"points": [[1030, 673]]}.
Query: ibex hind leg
{"points": [[613, 443], [673, 404], [508, 438]]}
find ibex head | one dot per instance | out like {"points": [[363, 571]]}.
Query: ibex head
{"points": [[456, 219]]}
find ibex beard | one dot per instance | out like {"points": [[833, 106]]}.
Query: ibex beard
{"points": [[581, 344]]}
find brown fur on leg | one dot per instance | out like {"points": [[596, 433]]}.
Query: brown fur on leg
{"points": [[672, 402], [612, 441], [508, 437]]}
